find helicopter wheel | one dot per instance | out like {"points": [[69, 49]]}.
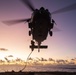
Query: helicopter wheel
{"points": [[29, 33], [29, 25], [51, 33]]}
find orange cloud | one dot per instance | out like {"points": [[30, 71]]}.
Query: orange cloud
{"points": [[10, 55], [3, 49]]}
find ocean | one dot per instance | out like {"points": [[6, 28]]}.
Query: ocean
{"points": [[43, 68]]}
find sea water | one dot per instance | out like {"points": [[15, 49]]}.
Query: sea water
{"points": [[43, 68]]}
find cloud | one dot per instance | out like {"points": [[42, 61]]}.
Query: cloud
{"points": [[71, 63], [37, 58], [40, 61], [3, 49], [2, 61], [30, 58], [50, 59], [10, 55], [6, 59], [18, 59], [43, 59], [74, 59], [61, 61]]}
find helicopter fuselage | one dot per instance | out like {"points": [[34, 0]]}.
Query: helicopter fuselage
{"points": [[40, 30], [40, 25]]}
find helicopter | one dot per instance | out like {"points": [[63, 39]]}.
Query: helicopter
{"points": [[40, 24]]}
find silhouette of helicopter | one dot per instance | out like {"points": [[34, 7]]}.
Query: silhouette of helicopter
{"points": [[40, 23]]}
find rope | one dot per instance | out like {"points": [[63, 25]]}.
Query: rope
{"points": [[26, 61]]}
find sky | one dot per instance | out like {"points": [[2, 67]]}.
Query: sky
{"points": [[15, 38]]}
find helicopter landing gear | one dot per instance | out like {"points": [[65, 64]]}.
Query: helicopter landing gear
{"points": [[51, 33], [33, 46]]}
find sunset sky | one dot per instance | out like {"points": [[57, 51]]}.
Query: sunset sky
{"points": [[15, 38]]}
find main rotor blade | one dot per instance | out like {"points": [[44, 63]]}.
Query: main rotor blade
{"points": [[65, 9], [11, 22], [29, 4]]}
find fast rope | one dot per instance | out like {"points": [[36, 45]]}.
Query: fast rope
{"points": [[26, 61]]}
